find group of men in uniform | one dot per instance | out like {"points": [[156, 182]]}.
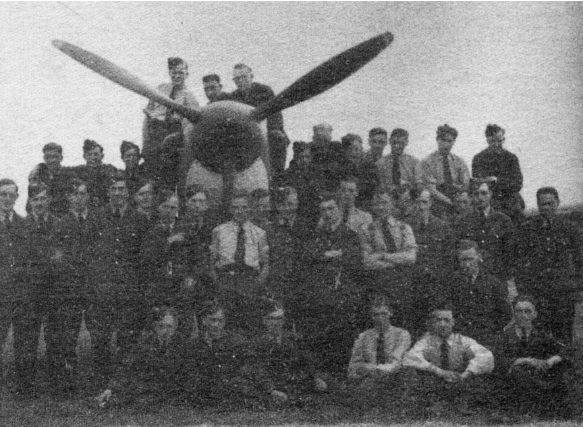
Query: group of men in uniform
{"points": [[179, 298]]}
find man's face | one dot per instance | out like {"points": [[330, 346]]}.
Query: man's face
{"points": [[398, 144], [239, 210], [79, 199], [242, 78], [144, 197], [303, 158], [524, 314], [322, 133], [289, 206], [470, 262], [442, 323], [482, 197], [52, 159], [261, 208], [168, 209], [166, 327], [462, 203], [214, 324], [495, 141], [40, 203], [212, 90], [93, 157], [381, 317], [8, 196], [382, 206], [197, 205], [445, 143], [424, 202], [547, 205], [355, 151], [178, 74], [348, 193], [378, 143], [131, 158], [118, 194], [329, 212]]}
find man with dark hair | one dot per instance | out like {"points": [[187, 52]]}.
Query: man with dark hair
{"points": [[377, 141], [550, 264], [161, 155], [94, 173], [117, 304], [304, 178], [389, 251], [446, 365], [37, 286], [444, 172], [13, 267], [376, 362], [240, 263], [480, 299], [213, 88], [134, 170], [55, 176], [354, 164], [435, 252], [491, 230], [531, 365], [355, 219], [399, 170], [216, 361], [261, 209], [74, 240], [254, 94], [327, 301], [501, 169]]}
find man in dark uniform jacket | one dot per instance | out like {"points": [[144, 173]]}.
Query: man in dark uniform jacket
{"points": [[254, 94], [95, 174], [75, 237], [355, 164], [117, 304], [491, 230], [328, 299], [532, 367], [216, 361], [12, 257], [480, 299], [37, 287], [51, 173], [550, 264], [501, 169]]}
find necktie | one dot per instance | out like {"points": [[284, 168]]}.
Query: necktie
{"points": [[240, 251], [81, 220], [381, 349], [390, 244], [396, 170], [523, 336], [117, 214], [346, 216], [447, 177], [444, 356], [169, 111]]}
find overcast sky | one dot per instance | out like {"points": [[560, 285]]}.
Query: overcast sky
{"points": [[465, 64]]}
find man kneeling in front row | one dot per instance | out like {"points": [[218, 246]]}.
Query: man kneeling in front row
{"points": [[447, 366]]}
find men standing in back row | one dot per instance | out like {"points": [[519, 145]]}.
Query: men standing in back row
{"points": [[254, 94], [445, 173]]}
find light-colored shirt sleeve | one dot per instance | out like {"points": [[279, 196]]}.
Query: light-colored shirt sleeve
{"points": [[415, 357], [483, 360]]}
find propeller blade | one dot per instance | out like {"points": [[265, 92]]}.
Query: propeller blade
{"points": [[323, 77], [124, 78]]}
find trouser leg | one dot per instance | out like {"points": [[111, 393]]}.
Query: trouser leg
{"points": [[26, 323]]}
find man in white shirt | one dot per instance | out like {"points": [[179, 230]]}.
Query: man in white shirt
{"points": [[377, 358], [447, 364], [240, 263]]}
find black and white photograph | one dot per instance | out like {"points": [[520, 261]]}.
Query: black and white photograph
{"points": [[291, 213]]}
